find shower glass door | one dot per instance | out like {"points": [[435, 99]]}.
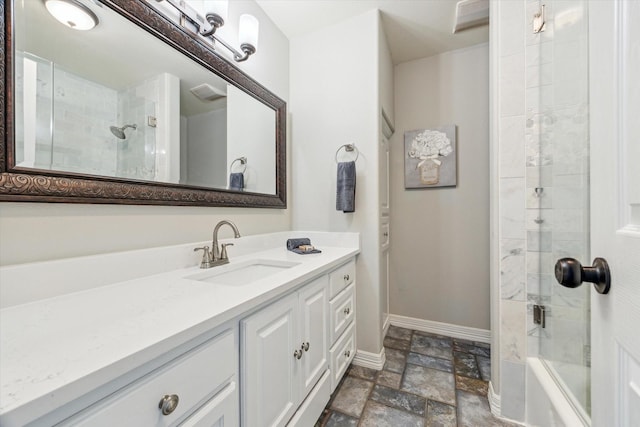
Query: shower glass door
{"points": [[558, 205]]}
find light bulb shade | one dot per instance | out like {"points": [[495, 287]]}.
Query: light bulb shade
{"points": [[72, 13], [219, 7], [248, 30]]}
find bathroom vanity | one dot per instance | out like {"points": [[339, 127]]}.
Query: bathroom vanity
{"points": [[263, 340]]}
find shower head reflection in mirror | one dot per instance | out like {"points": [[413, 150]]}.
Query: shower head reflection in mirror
{"points": [[119, 132]]}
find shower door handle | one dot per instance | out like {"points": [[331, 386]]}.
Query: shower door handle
{"points": [[570, 273]]}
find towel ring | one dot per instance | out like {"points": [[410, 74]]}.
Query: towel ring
{"points": [[348, 148], [243, 162]]}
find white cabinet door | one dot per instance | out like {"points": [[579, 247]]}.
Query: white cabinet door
{"points": [[270, 385], [313, 312]]}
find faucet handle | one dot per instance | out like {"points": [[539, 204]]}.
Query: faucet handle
{"points": [[206, 256], [223, 252]]}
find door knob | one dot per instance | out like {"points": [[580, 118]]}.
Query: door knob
{"points": [[570, 273]]}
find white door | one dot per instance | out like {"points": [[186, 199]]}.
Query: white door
{"points": [[614, 67]]}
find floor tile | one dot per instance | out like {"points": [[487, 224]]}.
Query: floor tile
{"points": [[362, 372], [432, 346], [389, 379], [399, 333], [396, 360], [484, 364], [352, 396], [403, 345], [430, 383], [336, 419], [399, 399], [377, 415], [430, 362], [468, 347], [465, 364], [472, 385], [440, 415], [428, 380]]}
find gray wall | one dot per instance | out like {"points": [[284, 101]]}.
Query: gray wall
{"points": [[440, 249]]}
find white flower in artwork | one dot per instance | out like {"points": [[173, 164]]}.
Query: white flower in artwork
{"points": [[429, 145]]}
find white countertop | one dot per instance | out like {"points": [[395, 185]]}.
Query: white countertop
{"points": [[54, 350]]}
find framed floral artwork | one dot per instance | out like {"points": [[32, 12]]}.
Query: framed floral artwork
{"points": [[430, 157]]}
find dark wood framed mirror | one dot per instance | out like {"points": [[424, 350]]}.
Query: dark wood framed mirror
{"points": [[66, 179]]}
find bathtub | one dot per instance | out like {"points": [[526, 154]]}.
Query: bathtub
{"points": [[547, 405]]}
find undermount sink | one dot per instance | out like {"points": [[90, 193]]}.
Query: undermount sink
{"points": [[242, 273]]}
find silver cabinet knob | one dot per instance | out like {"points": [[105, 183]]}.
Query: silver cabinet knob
{"points": [[385, 234], [346, 311], [297, 354], [346, 277], [347, 353], [168, 403], [305, 346]]}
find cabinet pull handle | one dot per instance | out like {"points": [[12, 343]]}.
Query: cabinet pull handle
{"points": [[168, 403], [346, 311], [297, 354], [347, 353], [305, 346], [385, 234], [346, 277]]}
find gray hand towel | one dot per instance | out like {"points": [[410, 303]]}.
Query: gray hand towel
{"points": [[236, 181], [294, 244], [346, 187]]}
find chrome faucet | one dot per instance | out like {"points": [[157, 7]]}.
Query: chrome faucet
{"points": [[219, 255]]}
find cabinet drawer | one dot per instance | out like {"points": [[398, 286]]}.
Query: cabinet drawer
{"points": [[194, 377], [341, 354], [342, 311], [341, 277], [221, 411]]}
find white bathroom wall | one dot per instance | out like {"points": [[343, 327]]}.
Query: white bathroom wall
{"points": [[253, 141], [40, 231], [334, 101], [440, 254]]}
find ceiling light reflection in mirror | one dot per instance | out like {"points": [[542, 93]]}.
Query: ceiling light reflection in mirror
{"points": [[116, 102]]}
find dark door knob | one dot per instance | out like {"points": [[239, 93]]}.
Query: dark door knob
{"points": [[570, 273]]}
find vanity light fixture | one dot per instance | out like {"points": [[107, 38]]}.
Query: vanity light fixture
{"points": [[72, 13], [248, 27]]}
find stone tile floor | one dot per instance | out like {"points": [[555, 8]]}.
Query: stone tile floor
{"points": [[428, 380]]}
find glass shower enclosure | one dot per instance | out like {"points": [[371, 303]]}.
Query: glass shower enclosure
{"points": [[557, 135]]}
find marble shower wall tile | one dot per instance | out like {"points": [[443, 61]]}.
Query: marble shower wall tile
{"points": [[512, 84], [512, 265], [512, 143], [512, 34], [513, 331], [540, 263], [512, 215]]}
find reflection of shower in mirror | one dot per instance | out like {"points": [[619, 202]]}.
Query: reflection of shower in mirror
{"points": [[119, 132]]}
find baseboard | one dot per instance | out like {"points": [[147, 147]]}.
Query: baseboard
{"points": [[385, 326], [494, 400], [370, 360], [446, 329]]}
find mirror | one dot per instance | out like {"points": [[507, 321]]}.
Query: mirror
{"points": [[135, 110]]}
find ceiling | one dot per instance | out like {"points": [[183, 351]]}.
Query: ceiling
{"points": [[414, 28]]}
